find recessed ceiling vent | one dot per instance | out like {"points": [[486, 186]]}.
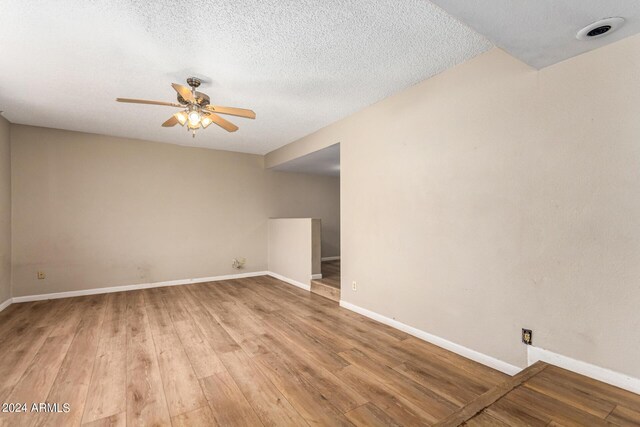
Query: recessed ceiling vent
{"points": [[600, 28]]}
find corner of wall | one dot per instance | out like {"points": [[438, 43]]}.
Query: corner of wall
{"points": [[5, 140], [10, 212]]}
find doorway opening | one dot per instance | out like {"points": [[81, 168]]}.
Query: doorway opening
{"points": [[321, 179]]}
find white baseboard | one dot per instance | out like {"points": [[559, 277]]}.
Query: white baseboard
{"points": [[492, 362], [330, 258], [289, 281], [534, 354], [608, 376], [96, 291], [316, 276], [6, 304], [106, 290]]}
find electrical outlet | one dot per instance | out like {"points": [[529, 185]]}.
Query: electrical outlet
{"points": [[354, 286], [527, 336], [41, 275]]}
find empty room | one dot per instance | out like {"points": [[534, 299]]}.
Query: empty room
{"points": [[336, 213]]}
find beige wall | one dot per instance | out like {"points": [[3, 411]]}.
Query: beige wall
{"points": [[494, 197], [305, 196], [5, 211], [94, 211], [291, 244]]}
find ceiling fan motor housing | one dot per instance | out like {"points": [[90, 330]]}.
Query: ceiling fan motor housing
{"points": [[202, 99]]}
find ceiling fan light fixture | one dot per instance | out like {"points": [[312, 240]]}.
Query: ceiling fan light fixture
{"points": [[181, 117], [206, 121], [194, 119]]}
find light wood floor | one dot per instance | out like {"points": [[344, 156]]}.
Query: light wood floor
{"points": [[545, 395], [331, 273], [253, 352], [329, 285]]}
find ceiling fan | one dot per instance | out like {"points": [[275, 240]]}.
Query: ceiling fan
{"points": [[197, 112]]}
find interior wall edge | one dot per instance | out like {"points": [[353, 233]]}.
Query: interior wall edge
{"points": [[6, 282], [11, 125]]}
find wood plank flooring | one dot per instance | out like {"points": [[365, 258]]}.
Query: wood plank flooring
{"points": [[257, 351], [329, 285], [331, 273], [556, 397]]}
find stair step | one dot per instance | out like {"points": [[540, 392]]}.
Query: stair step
{"points": [[324, 290]]}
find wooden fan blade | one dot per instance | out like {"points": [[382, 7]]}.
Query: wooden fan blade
{"points": [[228, 126], [144, 101], [171, 121], [232, 111], [184, 92]]}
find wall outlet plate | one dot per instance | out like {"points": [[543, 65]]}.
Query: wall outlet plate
{"points": [[41, 275], [527, 336], [354, 286]]}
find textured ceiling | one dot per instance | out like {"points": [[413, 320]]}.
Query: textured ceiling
{"points": [[543, 32], [321, 162], [300, 65]]}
